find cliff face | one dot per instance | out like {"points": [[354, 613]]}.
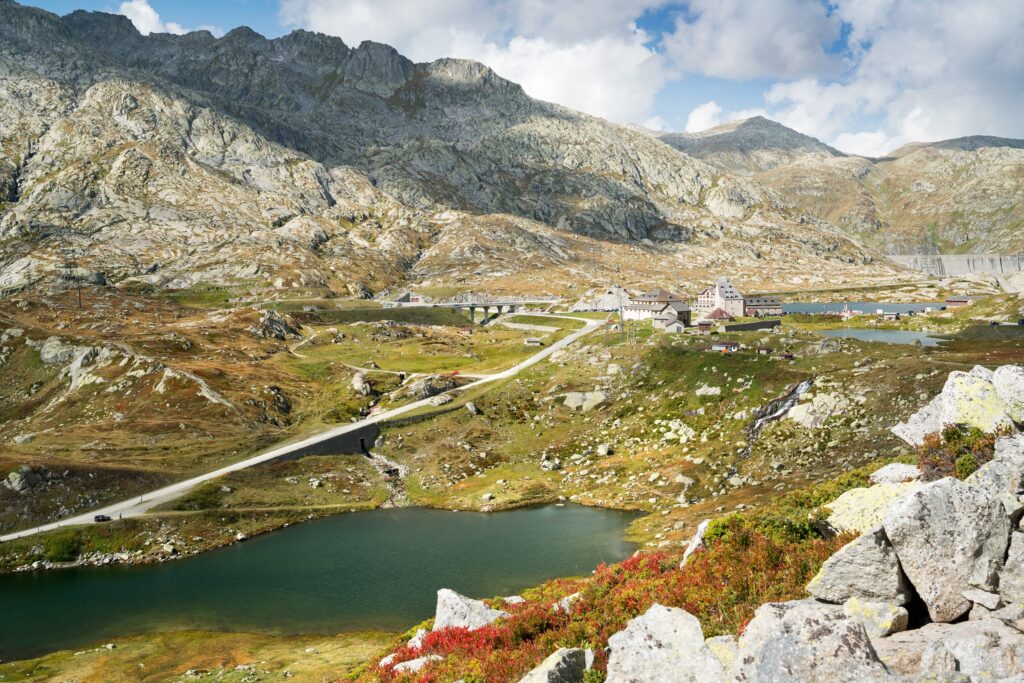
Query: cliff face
{"points": [[301, 160]]}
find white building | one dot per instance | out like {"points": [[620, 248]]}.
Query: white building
{"points": [[650, 305], [723, 295]]}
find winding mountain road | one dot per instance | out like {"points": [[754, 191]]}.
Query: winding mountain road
{"points": [[139, 505]]}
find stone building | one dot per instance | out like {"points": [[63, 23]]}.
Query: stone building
{"points": [[723, 295]]}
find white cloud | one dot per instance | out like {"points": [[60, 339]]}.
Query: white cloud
{"points": [[707, 115], [920, 71], [585, 54], [741, 39], [147, 20]]}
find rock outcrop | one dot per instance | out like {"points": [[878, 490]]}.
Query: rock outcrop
{"points": [[565, 665], [867, 569], [979, 398], [462, 612], [664, 645]]}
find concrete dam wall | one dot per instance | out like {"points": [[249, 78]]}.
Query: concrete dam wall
{"points": [[942, 265]]}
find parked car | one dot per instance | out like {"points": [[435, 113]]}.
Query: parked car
{"points": [[101, 518]]}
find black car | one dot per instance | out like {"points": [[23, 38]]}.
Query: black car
{"points": [[101, 518]]}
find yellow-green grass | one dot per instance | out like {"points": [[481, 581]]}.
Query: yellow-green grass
{"points": [[211, 656]]}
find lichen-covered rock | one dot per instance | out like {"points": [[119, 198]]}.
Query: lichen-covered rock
{"points": [[948, 538], [814, 413], [458, 610], [1009, 383], [584, 400], [860, 509], [805, 641], [565, 665], [866, 568], [985, 650], [880, 619], [968, 398], [663, 645], [723, 648], [414, 665]]}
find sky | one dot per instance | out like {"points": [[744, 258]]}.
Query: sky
{"points": [[865, 76]]}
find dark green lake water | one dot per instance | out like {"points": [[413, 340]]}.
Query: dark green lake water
{"points": [[378, 569]]}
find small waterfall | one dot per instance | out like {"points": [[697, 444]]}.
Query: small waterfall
{"points": [[774, 411]]}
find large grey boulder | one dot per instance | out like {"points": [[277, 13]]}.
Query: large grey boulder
{"points": [[1011, 577], [968, 398], [805, 640], [985, 650], [565, 665], [880, 619], [23, 479], [1008, 381], [458, 610], [948, 538], [663, 645], [1002, 478], [866, 568]]}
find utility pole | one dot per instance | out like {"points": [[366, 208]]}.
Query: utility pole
{"points": [[69, 266]]}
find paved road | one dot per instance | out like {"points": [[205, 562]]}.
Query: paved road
{"points": [[141, 504]]}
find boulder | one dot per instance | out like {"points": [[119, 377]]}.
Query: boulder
{"points": [[806, 640], [858, 510], [879, 619], [1002, 478], [272, 325], [360, 385], [584, 400], [814, 413], [414, 665], [948, 539], [1008, 381], [472, 408], [663, 645], [459, 611], [565, 665], [23, 479], [984, 650], [969, 398], [866, 568], [1011, 576], [896, 473]]}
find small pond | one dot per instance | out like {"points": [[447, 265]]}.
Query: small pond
{"points": [[885, 336]]}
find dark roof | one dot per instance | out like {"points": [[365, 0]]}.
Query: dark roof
{"points": [[763, 301], [657, 294]]}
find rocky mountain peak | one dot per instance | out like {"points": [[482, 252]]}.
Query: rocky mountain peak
{"points": [[970, 143]]}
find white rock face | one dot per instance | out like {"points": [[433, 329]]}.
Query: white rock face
{"points": [[414, 665], [584, 400], [1009, 383], [865, 568], [895, 473], [458, 610], [565, 665], [664, 645], [814, 413], [968, 398], [948, 539], [805, 641]]}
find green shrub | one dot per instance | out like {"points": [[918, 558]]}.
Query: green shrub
{"points": [[63, 546], [956, 451]]}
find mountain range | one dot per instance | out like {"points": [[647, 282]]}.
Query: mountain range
{"points": [[170, 161]]}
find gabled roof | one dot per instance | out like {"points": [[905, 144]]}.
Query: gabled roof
{"points": [[657, 294], [718, 314]]}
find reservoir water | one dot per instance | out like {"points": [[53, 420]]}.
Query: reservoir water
{"points": [[868, 307], [367, 570], [885, 336]]}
